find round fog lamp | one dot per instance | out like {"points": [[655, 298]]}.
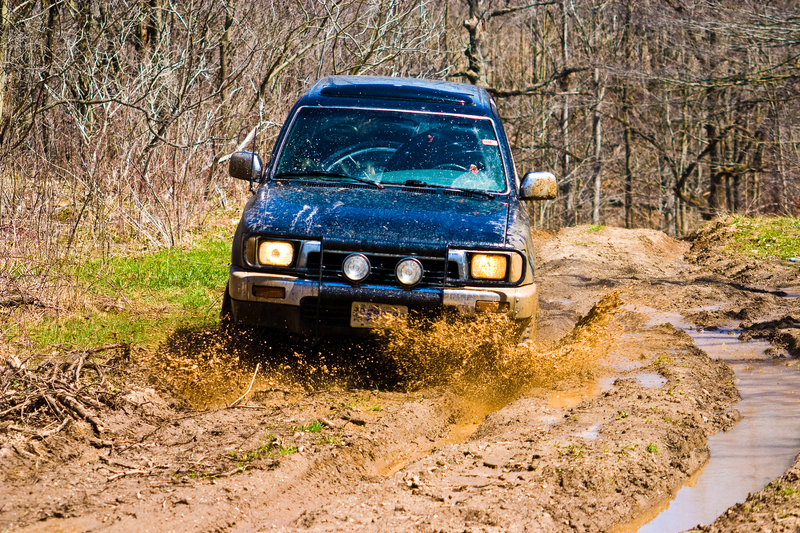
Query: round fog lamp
{"points": [[356, 267], [408, 271]]}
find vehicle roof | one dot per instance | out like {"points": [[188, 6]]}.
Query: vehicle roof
{"points": [[399, 93]]}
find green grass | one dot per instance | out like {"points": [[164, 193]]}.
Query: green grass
{"points": [[266, 450], [177, 277], [313, 427], [767, 237], [328, 439], [661, 360], [142, 298]]}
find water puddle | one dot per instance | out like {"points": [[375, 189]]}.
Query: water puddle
{"points": [[572, 397], [650, 380], [592, 432], [756, 451], [790, 292], [645, 518]]}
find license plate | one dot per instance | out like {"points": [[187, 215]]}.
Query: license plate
{"points": [[369, 315]]}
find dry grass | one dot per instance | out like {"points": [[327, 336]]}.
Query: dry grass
{"points": [[44, 392]]}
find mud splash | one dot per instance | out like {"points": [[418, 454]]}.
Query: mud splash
{"points": [[197, 367], [482, 358], [477, 359], [484, 366], [211, 367]]}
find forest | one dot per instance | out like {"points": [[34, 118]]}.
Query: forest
{"points": [[117, 117]]}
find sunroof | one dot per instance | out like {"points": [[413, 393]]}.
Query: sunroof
{"points": [[385, 91]]}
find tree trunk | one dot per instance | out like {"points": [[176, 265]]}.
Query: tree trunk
{"points": [[476, 73], [83, 18], [598, 146], [739, 179], [150, 24], [758, 161], [5, 26], [224, 50], [783, 201], [627, 136], [715, 181], [155, 21], [53, 14], [568, 189], [627, 133]]}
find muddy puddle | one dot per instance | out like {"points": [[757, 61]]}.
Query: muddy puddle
{"points": [[572, 397], [792, 291], [743, 460]]}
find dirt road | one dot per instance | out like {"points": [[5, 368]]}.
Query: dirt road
{"points": [[448, 430]]}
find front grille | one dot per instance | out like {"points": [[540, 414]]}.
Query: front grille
{"points": [[382, 271]]}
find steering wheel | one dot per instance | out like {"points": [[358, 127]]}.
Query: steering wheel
{"points": [[364, 158], [453, 160], [451, 166]]}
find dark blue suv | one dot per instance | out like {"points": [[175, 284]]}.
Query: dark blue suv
{"points": [[384, 198]]}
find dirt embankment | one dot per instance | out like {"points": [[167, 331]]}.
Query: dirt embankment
{"points": [[438, 431]]}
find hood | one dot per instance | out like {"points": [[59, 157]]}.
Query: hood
{"points": [[356, 214]]}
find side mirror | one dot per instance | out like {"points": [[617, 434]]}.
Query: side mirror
{"points": [[538, 186], [245, 166]]}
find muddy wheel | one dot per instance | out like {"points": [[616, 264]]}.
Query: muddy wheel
{"points": [[526, 329]]}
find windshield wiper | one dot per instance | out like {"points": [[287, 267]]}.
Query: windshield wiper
{"points": [[418, 183], [326, 174]]}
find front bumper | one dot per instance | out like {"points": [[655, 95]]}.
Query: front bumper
{"points": [[291, 313]]}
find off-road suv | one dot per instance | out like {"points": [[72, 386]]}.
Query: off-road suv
{"points": [[384, 198]]}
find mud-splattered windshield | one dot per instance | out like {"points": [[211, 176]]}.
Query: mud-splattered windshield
{"points": [[393, 148]]}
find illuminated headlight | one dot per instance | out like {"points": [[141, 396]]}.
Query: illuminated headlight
{"points": [[275, 253], [488, 266], [356, 267], [408, 271]]}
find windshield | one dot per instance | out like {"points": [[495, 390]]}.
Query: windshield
{"points": [[394, 147]]}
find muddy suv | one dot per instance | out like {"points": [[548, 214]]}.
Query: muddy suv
{"points": [[384, 198]]}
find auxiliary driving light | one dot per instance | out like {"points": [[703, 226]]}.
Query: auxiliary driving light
{"points": [[488, 266], [408, 271], [275, 253], [356, 267]]}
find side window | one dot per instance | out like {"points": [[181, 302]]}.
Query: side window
{"points": [[493, 105]]}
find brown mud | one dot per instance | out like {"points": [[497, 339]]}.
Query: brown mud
{"points": [[442, 429]]}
